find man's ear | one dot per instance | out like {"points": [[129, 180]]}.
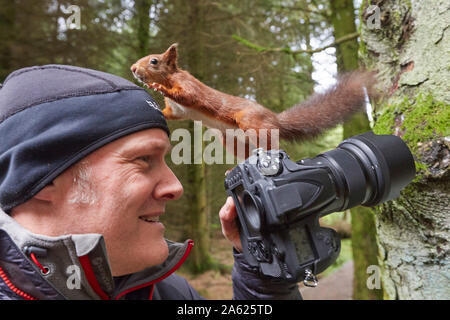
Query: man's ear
{"points": [[47, 193], [171, 55]]}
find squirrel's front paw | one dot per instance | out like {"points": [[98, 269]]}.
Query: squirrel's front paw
{"points": [[157, 87]]}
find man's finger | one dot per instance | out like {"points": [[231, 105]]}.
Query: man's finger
{"points": [[227, 213], [230, 230]]}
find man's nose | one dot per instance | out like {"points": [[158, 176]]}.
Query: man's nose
{"points": [[133, 68], [171, 188]]}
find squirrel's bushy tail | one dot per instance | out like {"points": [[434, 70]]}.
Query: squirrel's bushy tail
{"points": [[326, 110]]}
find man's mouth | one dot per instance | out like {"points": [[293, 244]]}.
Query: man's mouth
{"points": [[149, 218]]}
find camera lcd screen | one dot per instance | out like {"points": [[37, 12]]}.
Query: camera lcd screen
{"points": [[300, 237]]}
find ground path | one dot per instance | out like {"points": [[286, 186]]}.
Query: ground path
{"points": [[336, 286]]}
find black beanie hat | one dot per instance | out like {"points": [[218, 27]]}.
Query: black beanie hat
{"points": [[53, 116]]}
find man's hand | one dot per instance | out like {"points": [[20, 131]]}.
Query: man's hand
{"points": [[228, 219]]}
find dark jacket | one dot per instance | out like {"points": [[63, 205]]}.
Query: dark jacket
{"points": [[76, 267]]}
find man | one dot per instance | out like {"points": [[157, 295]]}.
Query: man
{"points": [[83, 183]]}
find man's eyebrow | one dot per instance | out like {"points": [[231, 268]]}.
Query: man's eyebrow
{"points": [[148, 147]]}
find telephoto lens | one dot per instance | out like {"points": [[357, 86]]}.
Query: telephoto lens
{"points": [[369, 169]]}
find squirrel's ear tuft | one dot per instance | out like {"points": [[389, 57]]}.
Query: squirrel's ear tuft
{"points": [[172, 49], [171, 55]]}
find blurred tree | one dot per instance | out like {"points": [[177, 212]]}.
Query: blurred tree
{"points": [[199, 227], [408, 43], [7, 31], [364, 244], [142, 16], [37, 32]]}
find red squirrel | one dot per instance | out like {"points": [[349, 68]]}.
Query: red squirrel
{"points": [[188, 98]]}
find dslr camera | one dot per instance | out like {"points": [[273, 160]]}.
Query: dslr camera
{"points": [[279, 201]]}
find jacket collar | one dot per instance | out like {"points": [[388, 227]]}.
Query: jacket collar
{"points": [[78, 264]]}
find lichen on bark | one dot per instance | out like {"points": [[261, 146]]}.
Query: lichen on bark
{"points": [[412, 234]]}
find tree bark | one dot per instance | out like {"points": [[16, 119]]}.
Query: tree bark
{"points": [[364, 246], [408, 42]]}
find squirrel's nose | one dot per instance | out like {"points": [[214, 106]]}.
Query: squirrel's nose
{"points": [[133, 68]]}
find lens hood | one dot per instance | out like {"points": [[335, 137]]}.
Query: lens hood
{"points": [[388, 162]]}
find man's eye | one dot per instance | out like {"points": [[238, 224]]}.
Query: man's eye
{"points": [[146, 159]]}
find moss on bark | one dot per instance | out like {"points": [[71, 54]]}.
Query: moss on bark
{"points": [[424, 124]]}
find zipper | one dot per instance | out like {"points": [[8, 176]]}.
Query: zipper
{"points": [[13, 288]]}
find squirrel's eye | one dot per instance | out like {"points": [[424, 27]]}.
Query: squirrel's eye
{"points": [[154, 61]]}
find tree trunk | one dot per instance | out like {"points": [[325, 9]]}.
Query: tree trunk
{"points": [[142, 8], [408, 42], [364, 247], [343, 20], [200, 258]]}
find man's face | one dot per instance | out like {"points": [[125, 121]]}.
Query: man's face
{"points": [[129, 184]]}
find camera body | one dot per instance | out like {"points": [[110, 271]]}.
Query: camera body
{"points": [[280, 231], [279, 201]]}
